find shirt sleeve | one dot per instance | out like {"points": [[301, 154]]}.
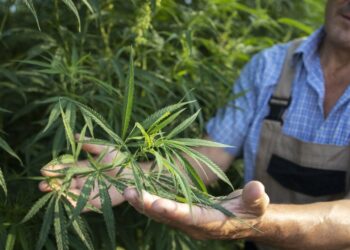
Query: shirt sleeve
{"points": [[231, 124]]}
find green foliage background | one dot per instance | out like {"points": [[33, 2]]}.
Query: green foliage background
{"points": [[183, 49]]}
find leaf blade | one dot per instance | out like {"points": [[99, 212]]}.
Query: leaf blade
{"points": [[108, 215], [36, 207], [129, 99], [9, 150], [45, 227], [31, 7], [3, 183], [183, 125], [83, 197], [61, 233], [74, 9]]}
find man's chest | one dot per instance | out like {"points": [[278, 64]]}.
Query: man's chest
{"points": [[319, 115]]}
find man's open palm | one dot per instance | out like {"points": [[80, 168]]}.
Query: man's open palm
{"points": [[205, 223]]}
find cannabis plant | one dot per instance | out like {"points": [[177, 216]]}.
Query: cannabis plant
{"points": [[171, 175]]}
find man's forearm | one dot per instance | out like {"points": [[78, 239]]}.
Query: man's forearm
{"points": [[324, 225]]}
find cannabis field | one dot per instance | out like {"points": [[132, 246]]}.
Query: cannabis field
{"points": [[139, 78]]}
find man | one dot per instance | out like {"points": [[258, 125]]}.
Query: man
{"points": [[294, 135]]}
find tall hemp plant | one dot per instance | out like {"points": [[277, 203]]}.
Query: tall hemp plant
{"points": [[171, 175]]}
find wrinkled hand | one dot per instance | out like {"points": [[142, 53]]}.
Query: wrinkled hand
{"points": [[77, 182], [206, 223]]}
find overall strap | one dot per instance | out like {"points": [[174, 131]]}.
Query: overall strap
{"points": [[281, 97]]}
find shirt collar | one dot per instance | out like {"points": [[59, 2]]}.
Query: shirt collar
{"points": [[308, 54], [309, 47]]}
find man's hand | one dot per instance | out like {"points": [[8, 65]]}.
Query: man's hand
{"points": [[78, 182], [206, 223]]}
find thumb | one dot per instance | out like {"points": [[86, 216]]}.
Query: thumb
{"points": [[254, 198], [91, 148]]}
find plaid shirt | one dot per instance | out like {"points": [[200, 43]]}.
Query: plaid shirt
{"points": [[240, 127]]}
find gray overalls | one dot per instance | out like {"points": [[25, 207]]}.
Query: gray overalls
{"points": [[294, 171]]}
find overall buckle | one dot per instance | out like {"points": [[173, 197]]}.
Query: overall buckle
{"points": [[277, 108]]}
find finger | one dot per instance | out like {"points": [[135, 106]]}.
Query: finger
{"points": [[132, 196], [56, 184], [184, 214], [143, 205], [255, 198], [44, 187], [77, 137], [91, 148], [116, 196], [52, 170], [94, 148], [169, 211]]}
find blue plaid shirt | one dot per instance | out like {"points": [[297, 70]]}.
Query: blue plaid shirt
{"points": [[240, 127]]}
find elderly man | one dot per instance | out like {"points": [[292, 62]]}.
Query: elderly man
{"points": [[294, 133]]}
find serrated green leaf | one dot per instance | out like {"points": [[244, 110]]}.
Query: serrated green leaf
{"points": [[36, 207], [71, 114], [80, 228], [68, 129], [119, 183], [147, 123], [105, 85], [79, 170], [98, 142], [157, 126], [61, 233], [3, 183], [58, 141], [106, 207], [183, 125], [55, 112], [83, 197], [206, 161], [197, 142], [159, 161], [8, 149], [181, 180], [191, 172], [138, 176], [74, 9], [75, 197], [96, 117], [165, 115], [86, 2], [46, 225], [81, 138], [31, 7], [147, 138], [89, 124], [128, 97]]}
